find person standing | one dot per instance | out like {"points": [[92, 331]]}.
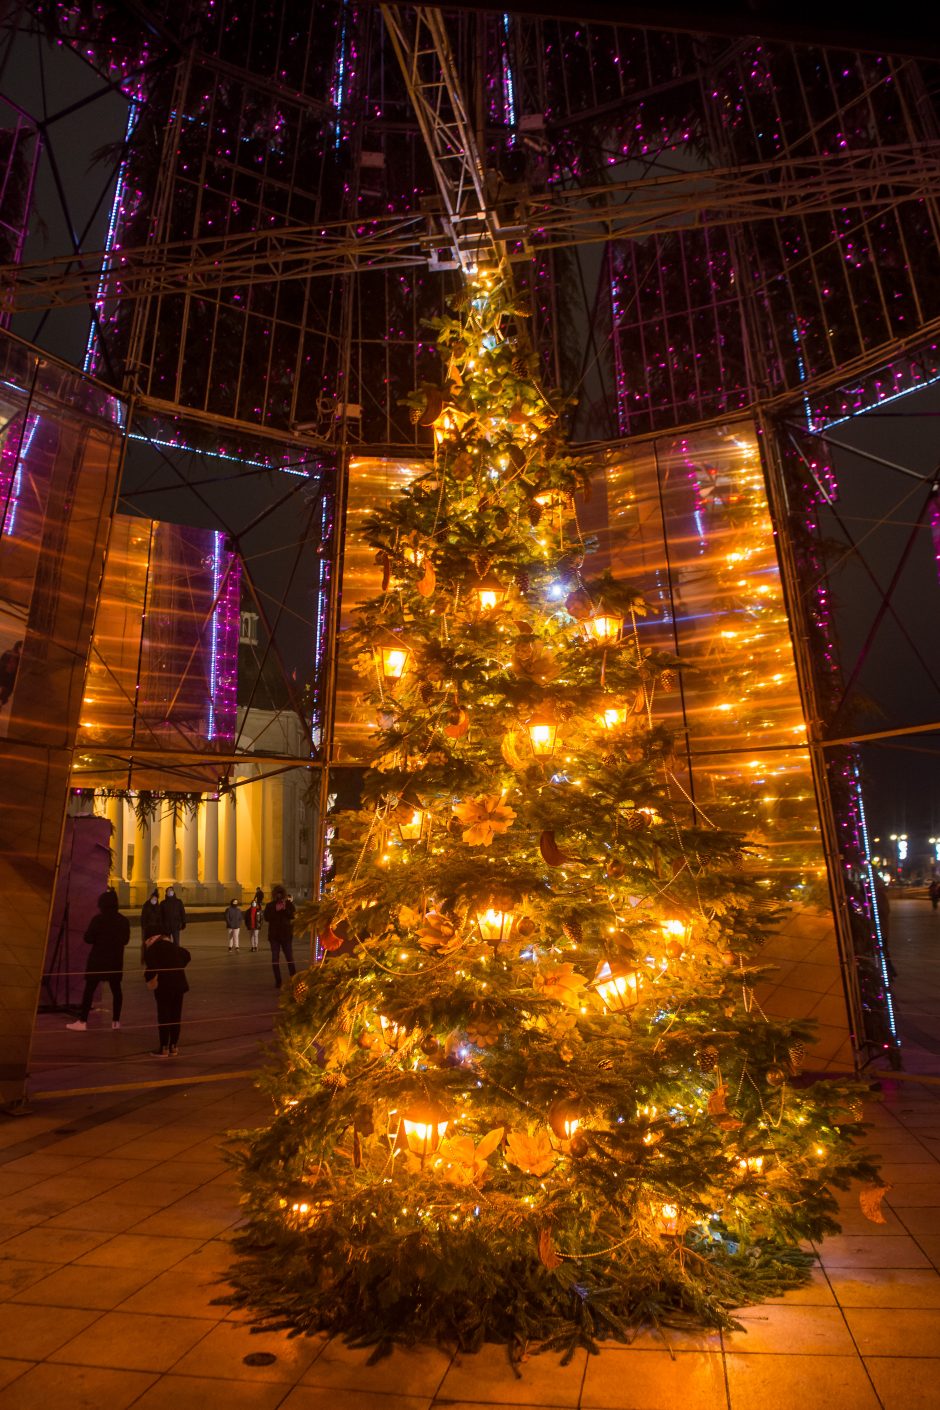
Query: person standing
{"points": [[253, 919], [151, 921], [279, 918], [259, 898], [165, 974], [934, 892], [233, 921], [173, 915], [108, 934]]}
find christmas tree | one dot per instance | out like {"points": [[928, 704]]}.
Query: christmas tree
{"points": [[528, 1094]]}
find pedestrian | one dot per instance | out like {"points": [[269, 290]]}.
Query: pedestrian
{"points": [[279, 917], [259, 898], [253, 919], [934, 892], [108, 934], [165, 975], [151, 921], [233, 921], [173, 915]]}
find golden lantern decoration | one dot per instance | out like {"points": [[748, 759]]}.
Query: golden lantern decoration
{"points": [[393, 1034], [565, 1117], [410, 829], [666, 1214], [751, 1164], [489, 593], [604, 627], [543, 733], [394, 658], [618, 987], [495, 922], [425, 1126], [613, 716]]}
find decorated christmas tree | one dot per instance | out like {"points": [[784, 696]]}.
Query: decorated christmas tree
{"points": [[528, 1095]]}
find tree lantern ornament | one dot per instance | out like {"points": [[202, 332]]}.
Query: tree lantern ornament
{"points": [[612, 716], [425, 1126], [618, 987], [394, 658], [667, 1218], [410, 830], [392, 1033], [604, 627], [565, 1117], [495, 924], [543, 732], [489, 593]]}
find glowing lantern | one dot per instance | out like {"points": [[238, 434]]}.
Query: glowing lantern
{"points": [[410, 831], [495, 925], [543, 732], [392, 1033], [677, 931], [489, 593], [613, 716], [604, 627], [394, 657], [667, 1218], [751, 1165], [618, 988], [564, 1117], [425, 1125]]}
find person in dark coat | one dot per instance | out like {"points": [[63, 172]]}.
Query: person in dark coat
{"points": [[279, 918], [165, 975], [108, 933], [173, 914], [253, 918]]}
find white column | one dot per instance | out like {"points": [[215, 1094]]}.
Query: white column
{"points": [[210, 842], [228, 844], [140, 877], [167, 847], [189, 862], [115, 816], [274, 872]]}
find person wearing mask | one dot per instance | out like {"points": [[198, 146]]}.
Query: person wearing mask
{"points": [[173, 914], [233, 922], [151, 921], [279, 918], [165, 974], [259, 898], [108, 934], [253, 919]]}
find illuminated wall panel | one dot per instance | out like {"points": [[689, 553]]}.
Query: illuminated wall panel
{"points": [[163, 673], [60, 441]]}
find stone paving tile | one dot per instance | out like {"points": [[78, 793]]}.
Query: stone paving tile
{"points": [[139, 1251], [44, 1245], [317, 1398], [79, 1286], [775, 1382], [907, 1332], [102, 1217], [173, 1392], [34, 1332], [221, 1355], [886, 1287], [817, 1293], [871, 1251], [192, 1217], [905, 1383], [132, 1341], [19, 1273], [11, 1184], [417, 1371], [654, 1380], [802, 1331], [75, 1387], [914, 1194], [176, 1294], [487, 1377]]}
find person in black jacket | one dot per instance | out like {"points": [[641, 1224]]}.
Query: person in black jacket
{"points": [[173, 915], [279, 918], [165, 975], [108, 933]]}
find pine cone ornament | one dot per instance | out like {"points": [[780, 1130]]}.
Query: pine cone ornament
{"points": [[636, 822], [415, 414], [535, 514], [523, 581], [427, 692], [573, 930], [520, 365], [301, 988], [667, 681], [501, 520], [707, 1059], [796, 1054]]}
